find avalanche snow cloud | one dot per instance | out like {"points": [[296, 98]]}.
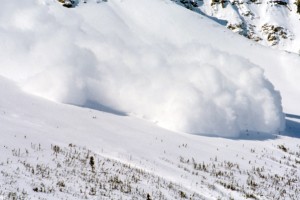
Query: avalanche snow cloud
{"points": [[106, 53]]}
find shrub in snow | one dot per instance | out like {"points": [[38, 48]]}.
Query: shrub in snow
{"points": [[297, 2], [92, 163]]}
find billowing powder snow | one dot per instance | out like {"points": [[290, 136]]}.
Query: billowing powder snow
{"points": [[96, 53]]}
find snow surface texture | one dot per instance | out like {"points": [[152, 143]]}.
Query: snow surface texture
{"points": [[114, 54], [46, 149]]}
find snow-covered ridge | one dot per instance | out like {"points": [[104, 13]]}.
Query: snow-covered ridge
{"points": [[268, 22]]}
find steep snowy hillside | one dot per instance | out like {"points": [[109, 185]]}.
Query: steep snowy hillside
{"points": [[86, 90], [268, 22], [57, 151], [178, 72]]}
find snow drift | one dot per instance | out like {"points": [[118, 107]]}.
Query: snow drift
{"points": [[106, 53]]}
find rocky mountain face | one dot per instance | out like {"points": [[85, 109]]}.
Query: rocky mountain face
{"points": [[274, 23]]}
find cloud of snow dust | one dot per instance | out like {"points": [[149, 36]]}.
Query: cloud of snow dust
{"points": [[192, 88]]}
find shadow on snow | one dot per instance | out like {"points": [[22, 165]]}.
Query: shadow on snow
{"points": [[292, 126], [292, 130], [96, 106]]}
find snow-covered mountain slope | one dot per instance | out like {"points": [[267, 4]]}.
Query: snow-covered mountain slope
{"points": [[137, 57], [268, 22], [147, 64], [46, 149]]}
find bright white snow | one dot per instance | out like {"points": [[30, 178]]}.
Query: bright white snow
{"points": [[135, 57], [151, 59], [212, 167]]}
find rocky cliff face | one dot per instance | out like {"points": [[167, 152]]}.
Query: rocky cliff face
{"points": [[274, 23]]}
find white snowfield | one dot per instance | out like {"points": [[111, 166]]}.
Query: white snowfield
{"points": [[46, 148], [151, 59], [147, 65]]}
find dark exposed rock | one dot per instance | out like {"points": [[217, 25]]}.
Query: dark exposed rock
{"points": [[275, 33]]}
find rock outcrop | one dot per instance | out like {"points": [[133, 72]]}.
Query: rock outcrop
{"points": [[272, 23]]}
